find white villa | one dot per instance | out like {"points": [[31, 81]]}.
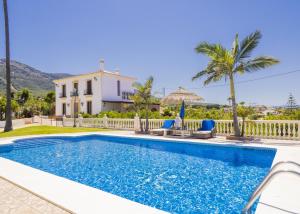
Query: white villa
{"points": [[93, 92]]}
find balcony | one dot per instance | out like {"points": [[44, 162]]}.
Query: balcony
{"points": [[126, 95], [74, 93], [62, 95], [88, 92]]}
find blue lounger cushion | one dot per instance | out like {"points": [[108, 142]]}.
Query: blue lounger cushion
{"points": [[168, 124], [207, 125]]}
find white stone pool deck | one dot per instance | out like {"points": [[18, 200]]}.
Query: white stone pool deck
{"points": [[17, 200], [281, 196]]}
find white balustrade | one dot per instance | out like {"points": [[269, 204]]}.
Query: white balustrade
{"points": [[274, 129]]}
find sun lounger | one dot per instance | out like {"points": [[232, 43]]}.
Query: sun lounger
{"points": [[207, 130], [165, 129]]}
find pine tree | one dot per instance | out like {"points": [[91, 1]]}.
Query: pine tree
{"points": [[291, 104]]}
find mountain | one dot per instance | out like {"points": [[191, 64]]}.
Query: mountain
{"points": [[25, 76]]}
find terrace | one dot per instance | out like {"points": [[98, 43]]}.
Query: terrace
{"points": [[273, 199]]}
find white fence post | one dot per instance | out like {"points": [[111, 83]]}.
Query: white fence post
{"points": [[80, 120], [178, 122], [297, 134], [136, 123], [105, 121]]}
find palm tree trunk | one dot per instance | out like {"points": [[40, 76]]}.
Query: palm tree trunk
{"points": [[234, 111], [147, 119], [141, 124], [243, 127], [8, 116]]}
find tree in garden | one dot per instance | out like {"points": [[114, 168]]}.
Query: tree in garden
{"points": [[2, 107], [23, 96], [225, 63], [244, 112], [50, 100], [8, 110], [143, 97], [33, 106], [14, 107], [25, 104]]}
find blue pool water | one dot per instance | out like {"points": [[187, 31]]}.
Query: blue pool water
{"points": [[172, 176]]}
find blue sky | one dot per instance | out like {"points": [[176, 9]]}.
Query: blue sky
{"points": [[158, 38]]}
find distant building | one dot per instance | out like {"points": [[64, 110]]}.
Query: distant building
{"points": [[269, 110], [260, 108], [93, 92]]}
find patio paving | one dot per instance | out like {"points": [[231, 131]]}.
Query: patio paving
{"points": [[16, 200]]}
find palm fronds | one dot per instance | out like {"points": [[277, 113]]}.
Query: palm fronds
{"points": [[199, 75], [248, 45], [235, 45], [259, 63], [213, 51]]}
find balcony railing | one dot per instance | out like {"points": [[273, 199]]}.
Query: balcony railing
{"points": [[62, 95], [88, 92], [126, 95], [74, 93]]}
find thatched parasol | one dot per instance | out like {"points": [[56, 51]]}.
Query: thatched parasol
{"points": [[181, 94]]}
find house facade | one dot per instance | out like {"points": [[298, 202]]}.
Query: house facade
{"points": [[92, 93]]}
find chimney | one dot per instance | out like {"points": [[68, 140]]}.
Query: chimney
{"points": [[101, 64]]}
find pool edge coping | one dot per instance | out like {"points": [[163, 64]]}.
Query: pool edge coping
{"points": [[264, 197]]}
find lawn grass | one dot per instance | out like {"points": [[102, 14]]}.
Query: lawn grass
{"points": [[37, 130]]}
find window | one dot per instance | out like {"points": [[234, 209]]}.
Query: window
{"points": [[89, 87], [64, 109], [63, 91], [75, 86], [118, 87], [89, 107]]}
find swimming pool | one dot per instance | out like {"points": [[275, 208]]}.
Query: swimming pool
{"points": [[169, 175]]}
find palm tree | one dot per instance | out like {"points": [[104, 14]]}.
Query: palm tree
{"points": [[226, 63], [8, 116], [143, 98], [138, 105]]}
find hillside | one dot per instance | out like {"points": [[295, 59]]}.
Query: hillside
{"points": [[25, 76]]}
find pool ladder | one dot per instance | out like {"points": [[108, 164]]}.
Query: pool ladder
{"points": [[269, 177]]}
